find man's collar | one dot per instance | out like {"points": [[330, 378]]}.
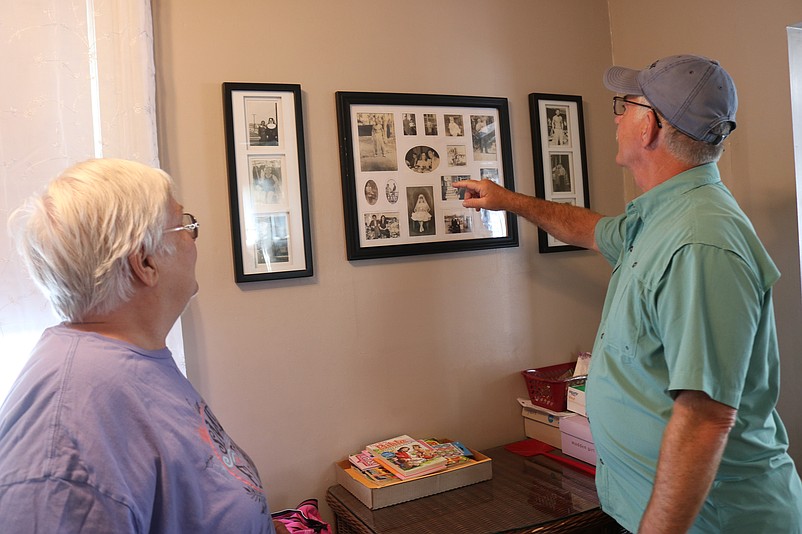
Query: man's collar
{"points": [[674, 187]]}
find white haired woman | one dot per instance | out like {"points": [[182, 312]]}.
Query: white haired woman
{"points": [[101, 432]]}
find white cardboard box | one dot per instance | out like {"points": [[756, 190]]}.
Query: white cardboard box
{"points": [[543, 425], [576, 439], [378, 495], [576, 399], [543, 432]]}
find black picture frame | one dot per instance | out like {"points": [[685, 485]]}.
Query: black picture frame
{"points": [[267, 186], [558, 146], [399, 153]]}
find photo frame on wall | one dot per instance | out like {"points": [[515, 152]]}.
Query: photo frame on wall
{"points": [[267, 181], [558, 146], [400, 155]]}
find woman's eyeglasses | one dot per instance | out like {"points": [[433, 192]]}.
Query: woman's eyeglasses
{"points": [[190, 225]]}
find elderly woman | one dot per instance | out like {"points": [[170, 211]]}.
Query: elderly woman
{"points": [[101, 432]]}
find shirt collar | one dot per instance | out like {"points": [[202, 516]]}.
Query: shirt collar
{"points": [[674, 187]]}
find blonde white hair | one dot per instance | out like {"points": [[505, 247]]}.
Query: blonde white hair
{"points": [[76, 237]]}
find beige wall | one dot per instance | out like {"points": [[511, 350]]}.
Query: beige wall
{"points": [[303, 372]]}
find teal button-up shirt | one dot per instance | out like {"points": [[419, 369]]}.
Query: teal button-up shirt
{"points": [[689, 307]]}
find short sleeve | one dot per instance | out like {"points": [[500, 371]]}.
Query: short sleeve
{"points": [[610, 233], [709, 305]]}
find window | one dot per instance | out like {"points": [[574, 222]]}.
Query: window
{"points": [[83, 86]]}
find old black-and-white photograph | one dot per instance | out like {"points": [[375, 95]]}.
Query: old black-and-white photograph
{"points": [[371, 192], [483, 132], [448, 191], [454, 125], [384, 225], [377, 147], [430, 123], [489, 173], [391, 191], [272, 245], [267, 182], [457, 155], [460, 222], [261, 115], [410, 127], [561, 181], [422, 159], [421, 210], [557, 118]]}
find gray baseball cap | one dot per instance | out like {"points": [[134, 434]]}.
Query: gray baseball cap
{"points": [[695, 94]]}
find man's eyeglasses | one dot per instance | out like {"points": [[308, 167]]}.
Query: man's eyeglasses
{"points": [[190, 225], [620, 106]]}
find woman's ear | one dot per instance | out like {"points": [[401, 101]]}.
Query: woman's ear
{"points": [[144, 268]]}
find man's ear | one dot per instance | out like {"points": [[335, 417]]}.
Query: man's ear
{"points": [[650, 130], [144, 268]]}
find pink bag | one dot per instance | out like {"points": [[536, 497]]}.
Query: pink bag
{"points": [[305, 519]]}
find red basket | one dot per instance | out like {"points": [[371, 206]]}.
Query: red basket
{"points": [[548, 386]]}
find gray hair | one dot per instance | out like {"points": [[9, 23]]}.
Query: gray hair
{"points": [[689, 150], [76, 237], [683, 147]]}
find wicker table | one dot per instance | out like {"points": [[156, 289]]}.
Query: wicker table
{"points": [[525, 495]]}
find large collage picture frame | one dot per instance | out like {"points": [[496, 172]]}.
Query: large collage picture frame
{"points": [[400, 155], [267, 181], [558, 146]]}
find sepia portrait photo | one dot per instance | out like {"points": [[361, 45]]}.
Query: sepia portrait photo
{"points": [[557, 122], [460, 222], [448, 191], [371, 192], [454, 126], [391, 191], [420, 207], [483, 132], [457, 155], [384, 225], [430, 123], [267, 182], [272, 243], [561, 181], [263, 121], [422, 159], [377, 147], [408, 124]]}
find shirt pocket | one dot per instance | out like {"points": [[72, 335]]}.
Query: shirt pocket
{"points": [[624, 319]]}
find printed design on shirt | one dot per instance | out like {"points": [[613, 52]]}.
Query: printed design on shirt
{"points": [[235, 460]]}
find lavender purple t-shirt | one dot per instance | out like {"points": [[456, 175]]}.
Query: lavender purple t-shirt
{"points": [[98, 435]]}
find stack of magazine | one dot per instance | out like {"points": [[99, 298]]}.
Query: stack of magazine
{"points": [[403, 457]]}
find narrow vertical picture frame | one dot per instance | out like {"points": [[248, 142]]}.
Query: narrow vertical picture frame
{"points": [[400, 155], [267, 185], [560, 161]]}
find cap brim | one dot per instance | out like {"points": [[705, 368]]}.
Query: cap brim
{"points": [[622, 80]]}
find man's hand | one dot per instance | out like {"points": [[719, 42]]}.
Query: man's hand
{"points": [[485, 194]]}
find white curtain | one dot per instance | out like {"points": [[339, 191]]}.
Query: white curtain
{"points": [[78, 82]]}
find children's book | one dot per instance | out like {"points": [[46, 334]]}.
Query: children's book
{"points": [[363, 461], [379, 474], [454, 452], [406, 457]]}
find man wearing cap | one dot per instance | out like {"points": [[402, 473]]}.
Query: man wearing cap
{"points": [[684, 377]]}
